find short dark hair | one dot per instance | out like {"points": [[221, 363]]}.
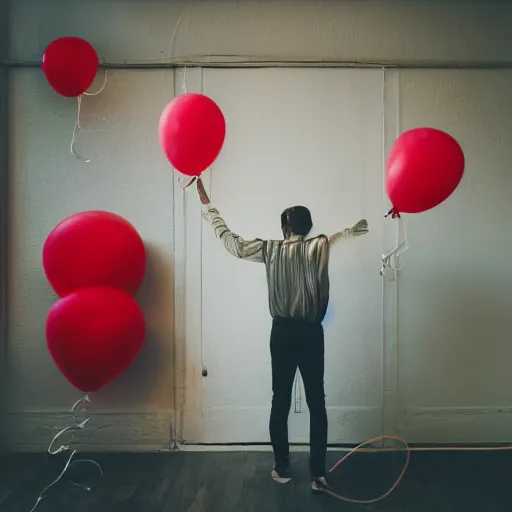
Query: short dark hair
{"points": [[296, 220]]}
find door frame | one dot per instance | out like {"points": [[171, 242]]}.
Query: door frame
{"points": [[188, 364]]}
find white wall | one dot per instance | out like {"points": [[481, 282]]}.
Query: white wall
{"points": [[371, 30], [130, 176], [455, 290]]}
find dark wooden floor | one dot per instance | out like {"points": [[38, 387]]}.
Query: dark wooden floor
{"points": [[239, 481]]}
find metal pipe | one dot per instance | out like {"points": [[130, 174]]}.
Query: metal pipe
{"points": [[232, 61]]}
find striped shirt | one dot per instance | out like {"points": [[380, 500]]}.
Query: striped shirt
{"points": [[297, 268]]}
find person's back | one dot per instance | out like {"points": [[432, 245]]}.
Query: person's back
{"points": [[298, 291], [298, 277]]}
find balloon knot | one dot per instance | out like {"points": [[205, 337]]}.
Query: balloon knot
{"points": [[395, 214]]}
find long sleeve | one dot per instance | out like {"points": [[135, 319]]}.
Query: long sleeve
{"points": [[250, 250], [361, 228]]}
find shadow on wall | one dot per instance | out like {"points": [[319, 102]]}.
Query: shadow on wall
{"points": [[462, 329], [150, 378]]}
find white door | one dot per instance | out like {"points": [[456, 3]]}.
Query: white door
{"points": [[295, 136]]}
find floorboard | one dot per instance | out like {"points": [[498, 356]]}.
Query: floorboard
{"points": [[240, 481]]}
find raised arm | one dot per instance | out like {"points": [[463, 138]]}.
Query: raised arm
{"points": [[361, 228], [250, 250]]}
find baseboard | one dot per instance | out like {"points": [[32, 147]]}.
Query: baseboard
{"points": [[107, 431], [442, 425], [145, 431], [227, 424]]}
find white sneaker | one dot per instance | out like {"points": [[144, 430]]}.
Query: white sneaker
{"points": [[281, 477], [320, 485]]}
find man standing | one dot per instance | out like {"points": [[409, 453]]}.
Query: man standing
{"points": [[298, 286]]}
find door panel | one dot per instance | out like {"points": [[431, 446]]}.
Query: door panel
{"points": [[294, 136]]}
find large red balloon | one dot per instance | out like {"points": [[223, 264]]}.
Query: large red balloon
{"points": [[191, 132], [94, 248], [94, 334], [70, 65], [424, 168]]}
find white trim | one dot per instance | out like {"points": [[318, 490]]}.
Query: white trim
{"points": [[188, 314], [114, 430], [390, 287], [441, 425]]}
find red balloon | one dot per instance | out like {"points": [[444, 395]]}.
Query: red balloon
{"points": [[191, 132], [70, 65], [424, 168], [94, 248], [94, 334]]}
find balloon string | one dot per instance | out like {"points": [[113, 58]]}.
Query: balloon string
{"points": [[102, 88], [78, 406], [402, 245], [184, 86], [403, 241], [77, 127], [390, 490], [176, 28]]}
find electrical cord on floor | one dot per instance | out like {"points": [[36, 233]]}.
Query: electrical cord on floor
{"points": [[359, 449], [408, 450]]}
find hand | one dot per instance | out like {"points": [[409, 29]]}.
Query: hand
{"points": [[361, 228], [203, 196]]}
